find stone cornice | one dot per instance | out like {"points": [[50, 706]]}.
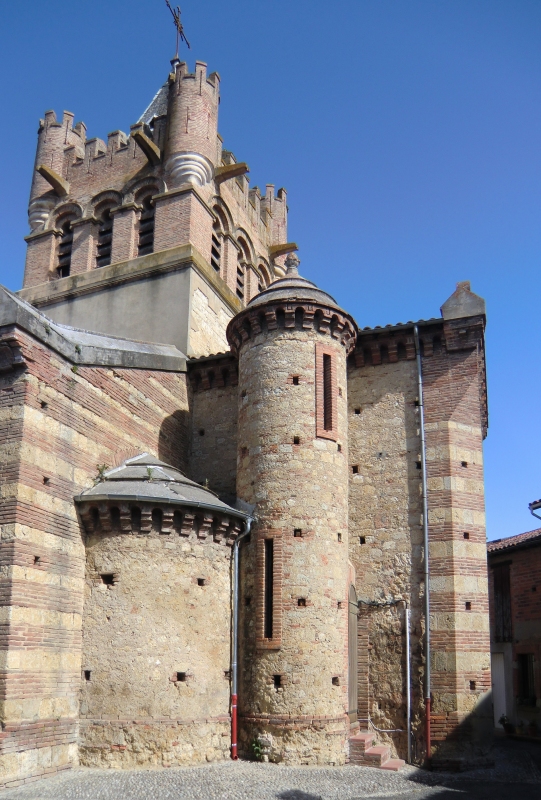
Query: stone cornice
{"points": [[325, 319], [135, 269]]}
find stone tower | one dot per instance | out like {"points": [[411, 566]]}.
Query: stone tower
{"points": [[292, 341]]}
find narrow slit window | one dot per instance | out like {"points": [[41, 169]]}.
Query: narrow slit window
{"points": [[146, 228], [269, 586], [327, 393]]}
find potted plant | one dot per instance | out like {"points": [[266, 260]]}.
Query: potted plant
{"points": [[508, 726]]}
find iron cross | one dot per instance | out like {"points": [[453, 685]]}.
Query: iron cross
{"points": [[178, 25]]}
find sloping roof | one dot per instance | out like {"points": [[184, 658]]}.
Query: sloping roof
{"points": [[521, 540], [87, 347], [158, 105], [145, 478]]}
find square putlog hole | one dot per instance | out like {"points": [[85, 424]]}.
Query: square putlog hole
{"points": [[181, 677], [336, 681], [108, 578], [201, 581]]}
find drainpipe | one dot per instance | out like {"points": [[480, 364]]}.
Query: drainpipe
{"points": [[235, 644], [408, 680], [425, 541]]}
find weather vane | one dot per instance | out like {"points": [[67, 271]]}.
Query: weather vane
{"points": [[178, 25]]}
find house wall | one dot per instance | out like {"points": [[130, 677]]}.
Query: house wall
{"points": [[525, 585]]}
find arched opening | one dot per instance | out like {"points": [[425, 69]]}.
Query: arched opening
{"points": [[65, 246], [219, 228], [353, 660], [105, 238], [244, 260], [146, 227]]}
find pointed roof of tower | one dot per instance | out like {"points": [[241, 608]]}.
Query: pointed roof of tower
{"points": [[157, 106], [292, 287]]}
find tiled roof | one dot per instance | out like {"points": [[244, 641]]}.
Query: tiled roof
{"points": [[530, 537]]}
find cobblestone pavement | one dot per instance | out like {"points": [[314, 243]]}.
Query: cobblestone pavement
{"points": [[516, 774]]}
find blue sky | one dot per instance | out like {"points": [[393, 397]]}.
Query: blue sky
{"points": [[407, 133]]}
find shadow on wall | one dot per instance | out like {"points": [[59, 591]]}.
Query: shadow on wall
{"points": [[296, 794], [174, 438]]}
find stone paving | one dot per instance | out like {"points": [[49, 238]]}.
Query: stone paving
{"points": [[517, 773]]}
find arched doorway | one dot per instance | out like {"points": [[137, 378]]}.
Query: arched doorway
{"points": [[353, 680]]}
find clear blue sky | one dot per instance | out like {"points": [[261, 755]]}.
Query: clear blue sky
{"points": [[407, 133]]}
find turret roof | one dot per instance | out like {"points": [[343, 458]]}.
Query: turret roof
{"points": [[293, 287], [145, 478]]}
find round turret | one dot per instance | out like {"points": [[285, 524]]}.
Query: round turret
{"points": [[191, 143], [292, 342]]}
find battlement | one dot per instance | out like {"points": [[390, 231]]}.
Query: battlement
{"points": [[50, 121], [180, 73], [126, 193]]}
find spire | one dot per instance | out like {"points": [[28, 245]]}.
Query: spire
{"points": [[292, 263]]}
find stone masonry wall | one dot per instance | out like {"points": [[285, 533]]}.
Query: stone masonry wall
{"points": [[61, 423], [209, 316], [386, 535], [156, 650], [293, 685], [386, 520], [215, 399]]}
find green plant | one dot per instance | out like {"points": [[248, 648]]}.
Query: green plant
{"points": [[77, 348], [102, 469], [257, 750], [75, 368], [149, 473]]}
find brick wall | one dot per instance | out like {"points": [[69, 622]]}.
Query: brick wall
{"points": [[58, 424], [524, 564]]}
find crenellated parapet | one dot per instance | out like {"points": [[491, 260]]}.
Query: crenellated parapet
{"points": [[213, 372], [290, 316], [147, 517]]}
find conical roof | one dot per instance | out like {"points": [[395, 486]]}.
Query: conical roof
{"points": [[291, 288], [145, 478]]}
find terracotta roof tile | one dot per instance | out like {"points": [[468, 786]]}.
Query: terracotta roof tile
{"points": [[515, 541]]}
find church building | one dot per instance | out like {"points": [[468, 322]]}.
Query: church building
{"points": [[217, 485]]}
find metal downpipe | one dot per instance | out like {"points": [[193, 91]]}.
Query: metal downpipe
{"points": [[235, 643], [408, 681], [425, 543]]}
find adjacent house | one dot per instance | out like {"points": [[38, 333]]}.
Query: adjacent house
{"points": [[515, 628]]}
